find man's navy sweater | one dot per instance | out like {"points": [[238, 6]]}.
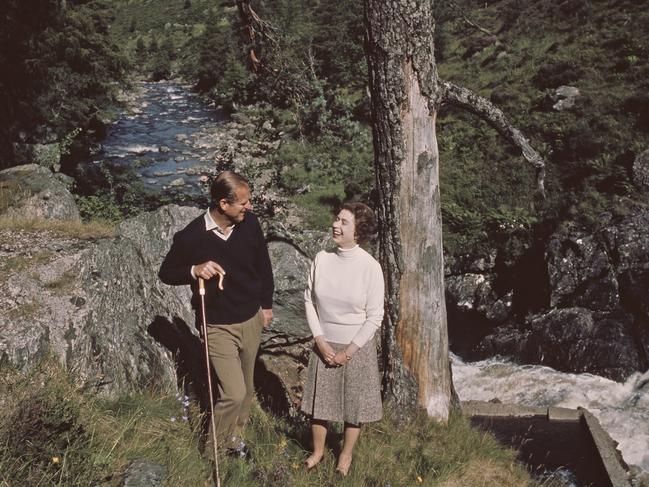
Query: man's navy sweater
{"points": [[248, 282]]}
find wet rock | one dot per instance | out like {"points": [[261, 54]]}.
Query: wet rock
{"points": [[573, 340], [597, 317], [581, 272], [641, 171], [177, 182], [580, 340], [33, 191]]}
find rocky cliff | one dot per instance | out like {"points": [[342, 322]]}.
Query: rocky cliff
{"points": [[579, 304]]}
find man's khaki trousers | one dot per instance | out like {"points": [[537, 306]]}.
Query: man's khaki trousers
{"points": [[233, 349]]}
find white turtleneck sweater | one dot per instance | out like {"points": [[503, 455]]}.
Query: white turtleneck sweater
{"points": [[344, 296]]}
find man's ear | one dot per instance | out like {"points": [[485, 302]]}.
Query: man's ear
{"points": [[222, 203]]}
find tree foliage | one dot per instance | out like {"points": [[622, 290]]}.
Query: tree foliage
{"points": [[59, 69]]}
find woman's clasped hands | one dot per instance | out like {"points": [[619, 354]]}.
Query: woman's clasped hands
{"points": [[329, 355]]}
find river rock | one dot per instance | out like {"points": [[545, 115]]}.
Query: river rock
{"points": [[33, 191], [641, 171], [177, 182], [581, 340], [267, 126]]}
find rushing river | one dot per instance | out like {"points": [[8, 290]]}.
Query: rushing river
{"points": [[155, 138], [622, 408]]}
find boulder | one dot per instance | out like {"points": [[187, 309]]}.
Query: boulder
{"points": [[32, 191], [564, 97], [285, 346], [573, 340], [580, 271], [581, 340], [98, 305], [144, 473], [473, 305]]}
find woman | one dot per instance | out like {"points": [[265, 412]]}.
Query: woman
{"points": [[344, 308]]}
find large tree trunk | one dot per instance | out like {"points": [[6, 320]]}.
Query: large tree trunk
{"points": [[405, 94]]}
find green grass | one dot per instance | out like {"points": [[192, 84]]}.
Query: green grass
{"points": [[68, 228], [51, 433], [19, 263]]}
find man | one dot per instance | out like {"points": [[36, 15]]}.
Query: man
{"points": [[227, 240]]}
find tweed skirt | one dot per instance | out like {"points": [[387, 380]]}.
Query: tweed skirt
{"points": [[351, 393]]}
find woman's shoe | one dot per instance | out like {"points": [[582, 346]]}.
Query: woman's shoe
{"points": [[344, 463], [312, 462]]}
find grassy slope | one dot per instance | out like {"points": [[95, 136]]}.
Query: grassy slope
{"points": [[51, 433], [595, 46]]}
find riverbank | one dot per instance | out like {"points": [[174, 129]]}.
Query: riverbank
{"points": [[166, 147]]}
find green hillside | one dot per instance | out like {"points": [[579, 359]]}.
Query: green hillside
{"points": [[514, 52], [313, 88], [535, 47]]}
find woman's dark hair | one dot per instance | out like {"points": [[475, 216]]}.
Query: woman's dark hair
{"points": [[364, 220], [225, 186]]}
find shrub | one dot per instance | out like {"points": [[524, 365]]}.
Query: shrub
{"points": [[556, 73]]}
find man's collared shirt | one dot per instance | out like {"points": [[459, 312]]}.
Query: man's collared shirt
{"points": [[210, 224]]}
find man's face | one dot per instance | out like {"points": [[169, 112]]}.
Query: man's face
{"points": [[235, 210]]}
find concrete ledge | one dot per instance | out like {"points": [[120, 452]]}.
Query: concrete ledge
{"points": [[563, 414], [577, 421], [480, 408], [610, 456]]}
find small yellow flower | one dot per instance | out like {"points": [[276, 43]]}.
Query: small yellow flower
{"points": [[56, 460], [419, 479], [295, 466], [282, 443]]}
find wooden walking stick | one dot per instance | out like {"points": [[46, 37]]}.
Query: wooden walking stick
{"points": [[201, 292]]}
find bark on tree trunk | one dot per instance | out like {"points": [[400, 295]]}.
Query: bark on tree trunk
{"points": [[405, 93]]}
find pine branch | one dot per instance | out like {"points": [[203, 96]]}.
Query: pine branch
{"points": [[484, 109]]}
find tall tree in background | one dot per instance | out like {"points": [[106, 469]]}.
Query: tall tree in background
{"points": [[406, 94]]}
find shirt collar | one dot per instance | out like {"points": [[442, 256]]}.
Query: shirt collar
{"points": [[210, 224], [348, 253]]}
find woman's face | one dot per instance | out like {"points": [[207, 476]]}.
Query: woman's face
{"points": [[344, 230]]}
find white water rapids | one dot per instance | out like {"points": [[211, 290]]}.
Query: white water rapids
{"points": [[621, 408]]}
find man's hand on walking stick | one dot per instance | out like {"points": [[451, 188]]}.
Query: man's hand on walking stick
{"points": [[209, 269]]}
